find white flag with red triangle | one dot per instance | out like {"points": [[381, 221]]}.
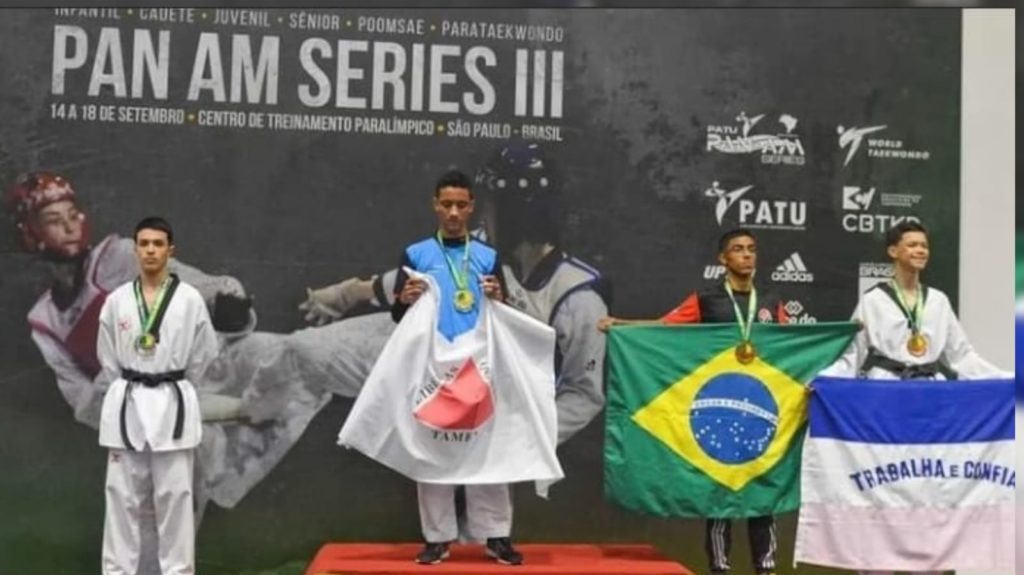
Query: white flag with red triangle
{"points": [[479, 409]]}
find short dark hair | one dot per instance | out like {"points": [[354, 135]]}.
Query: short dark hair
{"points": [[453, 179], [894, 234], [724, 239], [154, 223]]}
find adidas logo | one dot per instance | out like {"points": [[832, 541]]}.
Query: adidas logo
{"points": [[792, 270]]}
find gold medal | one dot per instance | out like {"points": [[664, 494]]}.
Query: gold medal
{"points": [[464, 300], [146, 343], [150, 319], [745, 352], [917, 345]]}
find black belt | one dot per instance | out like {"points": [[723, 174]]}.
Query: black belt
{"points": [[905, 370], [152, 380]]}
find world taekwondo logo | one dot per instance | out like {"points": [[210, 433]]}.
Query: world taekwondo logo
{"points": [[782, 147], [792, 270], [851, 139]]}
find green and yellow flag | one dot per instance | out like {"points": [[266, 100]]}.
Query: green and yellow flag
{"points": [[691, 431]]}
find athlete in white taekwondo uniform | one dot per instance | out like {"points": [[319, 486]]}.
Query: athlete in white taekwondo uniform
{"points": [[233, 456], [909, 329], [155, 337]]}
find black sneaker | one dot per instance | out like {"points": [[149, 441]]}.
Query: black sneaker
{"points": [[432, 554], [500, 549]]}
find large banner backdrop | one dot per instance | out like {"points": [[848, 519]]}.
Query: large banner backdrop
{"points": [[294, 149]]}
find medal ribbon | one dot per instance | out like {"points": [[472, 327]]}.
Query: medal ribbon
{"points": [[148, 317], [751, 306], [913, 315], [461, 279]]}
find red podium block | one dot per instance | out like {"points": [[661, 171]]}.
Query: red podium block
{"points": [[539, 559]]}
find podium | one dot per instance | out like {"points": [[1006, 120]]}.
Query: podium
{"points": [[538, 559]]}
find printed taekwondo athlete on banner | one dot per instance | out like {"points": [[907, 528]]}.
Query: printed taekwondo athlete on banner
{"points": [[155, 336], [909, 330], [464, 391], [734, 301]]}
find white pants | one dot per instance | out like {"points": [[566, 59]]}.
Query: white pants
{"points": [[129, 476], [488, 511]]}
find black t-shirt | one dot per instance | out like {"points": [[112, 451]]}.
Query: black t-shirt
{"points": [[713, 305]]}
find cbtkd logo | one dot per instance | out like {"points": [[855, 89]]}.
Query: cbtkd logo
{"points": [[792, 270], [857, 200]]}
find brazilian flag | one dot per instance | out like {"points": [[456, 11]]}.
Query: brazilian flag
{"points": [[693, 432]]}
